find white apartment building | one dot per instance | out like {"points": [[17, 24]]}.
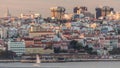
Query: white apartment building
{"points": [[17, 46]]}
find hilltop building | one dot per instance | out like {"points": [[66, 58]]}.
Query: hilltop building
{"points": [[7, 14], [103, 11], [78, 10], [57, 12]]}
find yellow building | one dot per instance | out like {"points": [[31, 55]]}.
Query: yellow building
{"points": [[115, 16], [57, 12], [40, 33], [38, 50], [37, 30]]}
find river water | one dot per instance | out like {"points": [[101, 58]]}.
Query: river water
{"points": [[63, 65]]}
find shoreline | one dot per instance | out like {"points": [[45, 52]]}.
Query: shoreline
{"points": [[59, 61]]}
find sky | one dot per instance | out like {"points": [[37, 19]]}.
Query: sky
{"points": [[43, 6]]}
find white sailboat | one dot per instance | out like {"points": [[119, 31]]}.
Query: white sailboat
{"points": [[38, 59], [37, 64]]}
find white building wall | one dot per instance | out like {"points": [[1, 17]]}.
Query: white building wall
{"points": [[17, 47]]}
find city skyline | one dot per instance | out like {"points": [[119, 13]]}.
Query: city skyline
{"points": [[43, 6]]}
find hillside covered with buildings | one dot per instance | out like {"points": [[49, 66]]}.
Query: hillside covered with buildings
{"points": [[79, 32]]}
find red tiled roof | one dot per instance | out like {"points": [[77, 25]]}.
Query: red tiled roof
{"points": [[41, 32], [27, 38]]}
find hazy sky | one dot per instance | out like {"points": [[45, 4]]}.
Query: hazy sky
{"points": [[43, 6]]}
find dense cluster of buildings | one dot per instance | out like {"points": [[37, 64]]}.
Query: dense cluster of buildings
{"points": [[32, 34]]}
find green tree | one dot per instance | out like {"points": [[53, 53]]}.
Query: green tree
{"points": [[7, 55], [72, 44], [75, 45], [115, 51], [79, 46], [57, 49], [88, 49]]}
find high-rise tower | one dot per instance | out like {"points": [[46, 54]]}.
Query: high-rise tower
{"points": [[78, 10], [7, 14], [57, 12], [104, 11]]}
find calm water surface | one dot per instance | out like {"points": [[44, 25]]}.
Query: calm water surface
{"points": [[63, 65]]}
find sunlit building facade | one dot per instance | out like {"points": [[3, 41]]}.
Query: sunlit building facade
{"points": [[103, 11], [57, 12]]}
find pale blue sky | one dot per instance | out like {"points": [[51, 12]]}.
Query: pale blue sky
{"points": [[42, 6]]}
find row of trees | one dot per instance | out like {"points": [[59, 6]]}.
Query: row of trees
{"points": [[79, 47], [75, 47], [7, 54], [115, 51]]}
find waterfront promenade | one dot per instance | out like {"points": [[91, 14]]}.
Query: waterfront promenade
{"points": [[53, 61]]}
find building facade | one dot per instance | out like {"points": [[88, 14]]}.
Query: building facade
{"points": [[78, 10], [57, 12], [37, 50], [103, 11], [17, 46]]}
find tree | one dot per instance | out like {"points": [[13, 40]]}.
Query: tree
{"points": [[76, 45], [115, 51], [79, 46], [72, 44], [57, 49], [88, 49], [104, 48], [7, 55]]}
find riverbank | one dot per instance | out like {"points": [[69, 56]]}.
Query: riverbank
{"points": [[54, 61]]}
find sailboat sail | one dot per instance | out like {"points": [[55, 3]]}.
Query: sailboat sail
{"points": [[37, 59]]}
